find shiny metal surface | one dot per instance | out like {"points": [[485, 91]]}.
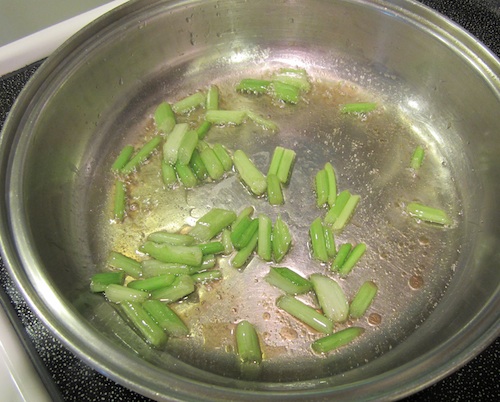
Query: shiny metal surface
{"points": [[437, 86]]}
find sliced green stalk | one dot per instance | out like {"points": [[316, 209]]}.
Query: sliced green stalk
{"points": [[187, 147], [296, 77], [287, 280], [152, 267], [274, 190], [249, 173], [281, 239], [142, 155], [173, 142], [341, 256], [126, 264], [153, 283], [336, 340], [262, 121], [207, 262], [168, 174], [122, 159], [346, 213], [207, 276], [254, 86], [186, 175], [101, 280], [332, 184], [286, 165], [243, 227], [178, 239], [120, 201], [417, 157], [321, 188], [351, 260], [276, 160], [164, 118], [359, 107], [212, 223], [247, 342], [335, 210], [264, 246], [119, 294], [331, 297], [213, 165], [305, 313], [363, 299], [226, 241], [213, 98], [197, 165], [428, 214], [318, 242], [244, 254], [202, 131], [189, 103], [225, 117], [246, 212], [144, 323], [166, 318], [182, 286], [214, 247], [189, 255], [223, 156], [285, 92], [331, 249]]}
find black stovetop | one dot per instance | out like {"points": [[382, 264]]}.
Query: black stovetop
{"points": [[69, 379]]}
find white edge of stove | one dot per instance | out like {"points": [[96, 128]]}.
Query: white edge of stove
{"points": [[41, 44]]}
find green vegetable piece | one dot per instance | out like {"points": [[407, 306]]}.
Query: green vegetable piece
{"points": [[187, 147], [296, 77], [213, 165], [198, 167], [286, 165], [189, 103], [428, 214], [285, 92], [318, 242], [244, 253], [122, 159], [305, 314], [177, 239], [249, 173], [334, 212], [336, 340], [213, 98], [321, 187], [120, 201], [281, 239], [346, 213], [168, 174], [287, 280], [164, 118], [126, 264], [212, 223], [264, 246], [332, 184], [331, 297], [239, 229], [262, 121], [182, 286], [152, 267], [341, 256], [225, 117], [223, 156], [363, 299], [247, 342], [226, 241], [417, 157], [359, 107], [245, 212], [331, 250], [142, 155], [153, 283], [144, 323], [274, 190], [119, 294], [186, 175], [202, 131], [351, 260], [214, 247], [207, 276], [247, 235], [254, 86], [276, 160], [189, 255], [101, 280], [166, 318], [173, 143]]}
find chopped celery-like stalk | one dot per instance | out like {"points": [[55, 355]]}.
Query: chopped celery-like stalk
{"points": [[122, 159], [281, 239], [359, 107], [186, 175], [168, 174], [287, 280], [262, 121], [197, 165], [182, 286], [207, 276], [247, 342], [223, 156], [101, 280], [249, 173], [189, 255], [254, 86], [276, 160], [207, 262], [166, 318], [331, 250], [144, 323], [341, 256], [142, 155], [247, 235], [226, 241], [305, 313], [244, 254], [285, 92], [335, 210], [213, 165], [428, 214], [203, 129], [331, 297], [153, 283], [321, 187], [238, 230], [346, 213], [212, 223], [173, 142], [363, 298], [246, 212], [126, 264], [417, 157], [332, 184], [286, 165], [213, 98], [164, 118], [189, 103], [318, 242], [186, 147], [351, 260], [214, 247], [119, 294], [225, 117], [336, 340], [264, 246], [152, 267], [296, 77], [120, 201], [274, 190], [178, 239]]}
